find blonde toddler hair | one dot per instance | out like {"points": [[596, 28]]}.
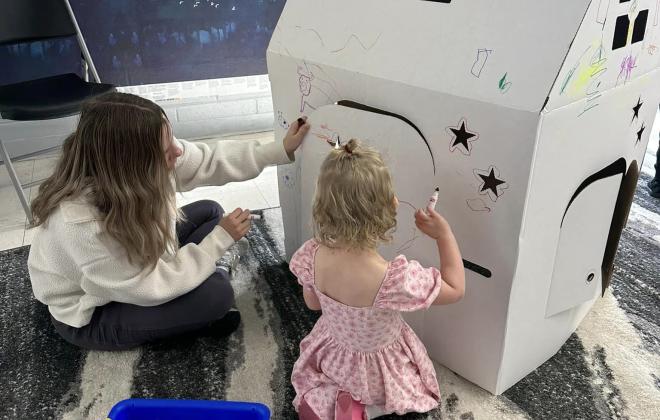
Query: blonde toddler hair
{"points": [[354, 201]]}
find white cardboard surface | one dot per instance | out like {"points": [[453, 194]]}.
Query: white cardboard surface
{"points": [[436, 45], [378, 55]]}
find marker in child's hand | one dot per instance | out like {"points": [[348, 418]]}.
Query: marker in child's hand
{"points": [[434, 199], [301, 122], [255, 216]]}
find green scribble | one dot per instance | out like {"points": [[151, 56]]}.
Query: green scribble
{"points": [[503, 81], [567, 79]]}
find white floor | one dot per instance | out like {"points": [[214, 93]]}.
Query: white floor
{"points": [[258, 193]]}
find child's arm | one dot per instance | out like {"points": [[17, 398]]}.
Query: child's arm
{"points": [[451, 269], [311, 300], [451, 263]]}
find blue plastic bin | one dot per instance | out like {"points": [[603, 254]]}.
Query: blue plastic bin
{"points": [[138, 409]]}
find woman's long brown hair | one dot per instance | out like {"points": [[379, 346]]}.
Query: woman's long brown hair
{"points": [[116, 160]]}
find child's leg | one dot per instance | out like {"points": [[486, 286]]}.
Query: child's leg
{"points": [[305, 412], [375, 411], [346, 408], [318, 403]]}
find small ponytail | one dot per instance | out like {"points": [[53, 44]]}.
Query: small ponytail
{"points": [[351, 146]]}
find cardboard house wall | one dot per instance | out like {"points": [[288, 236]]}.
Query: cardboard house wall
{"points": [[531, 117]]}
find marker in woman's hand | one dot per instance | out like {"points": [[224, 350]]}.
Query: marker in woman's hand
{"points": [[434, 199]]}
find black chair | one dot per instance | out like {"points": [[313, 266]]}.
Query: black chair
{"points": [[51, 97]]}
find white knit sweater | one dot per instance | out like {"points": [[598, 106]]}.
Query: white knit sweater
{"points": [[74, 266]]}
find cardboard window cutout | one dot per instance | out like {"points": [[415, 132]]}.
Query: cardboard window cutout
{"points": [[622, 29], [640, 26], [621, 32]]}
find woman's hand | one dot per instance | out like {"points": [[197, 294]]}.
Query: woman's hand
{"points": [[294, 136], [237, 223]]}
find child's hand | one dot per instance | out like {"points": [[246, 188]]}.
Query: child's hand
{"points": [[237, 223], [294, 136], [431, 223]]}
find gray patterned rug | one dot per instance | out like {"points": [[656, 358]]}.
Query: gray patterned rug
{"points": [[610, 368]]}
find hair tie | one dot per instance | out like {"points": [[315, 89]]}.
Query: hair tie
{"points": [[351, 145]]}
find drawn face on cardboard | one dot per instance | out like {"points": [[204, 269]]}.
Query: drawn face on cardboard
{"points": [[281, 121], [305, 84]]}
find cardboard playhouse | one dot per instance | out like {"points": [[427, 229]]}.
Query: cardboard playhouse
{"points": [[531, 117]]}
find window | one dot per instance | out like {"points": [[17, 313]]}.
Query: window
{"points": [[620, 32], [640, 26], [623, 25]]}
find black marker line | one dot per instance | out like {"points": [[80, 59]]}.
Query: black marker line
{"points": [[477, 268], [362, 107], [615, 168]]}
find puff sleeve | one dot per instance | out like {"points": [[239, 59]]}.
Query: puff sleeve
{"points": [[408, 286], [302, 264]]}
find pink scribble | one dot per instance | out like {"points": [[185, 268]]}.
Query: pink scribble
{"points": [[627, 65]]}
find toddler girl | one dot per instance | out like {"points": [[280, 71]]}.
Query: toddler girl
{"points": [[361, 359]]}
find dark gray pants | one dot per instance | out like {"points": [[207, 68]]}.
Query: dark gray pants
{"points": [[118, 326]]}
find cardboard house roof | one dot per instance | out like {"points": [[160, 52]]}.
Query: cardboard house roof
{"points": [[617, 41], [440, 46]]}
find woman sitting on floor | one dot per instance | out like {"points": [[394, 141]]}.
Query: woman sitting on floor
{"points": [[113, 258]]}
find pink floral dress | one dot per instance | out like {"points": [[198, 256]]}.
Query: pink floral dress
{"points": [[371, 352]]}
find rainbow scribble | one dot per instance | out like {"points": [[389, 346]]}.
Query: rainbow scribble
{"points": [[594, 68]]}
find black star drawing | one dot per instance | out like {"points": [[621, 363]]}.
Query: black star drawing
{"points": [[461, 136], [636, 109], [491, 184], [639, 133]]}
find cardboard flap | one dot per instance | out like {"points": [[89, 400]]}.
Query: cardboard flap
{"points": [[577, 276]]}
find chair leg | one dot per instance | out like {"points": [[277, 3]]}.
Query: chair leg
{"points": [[14, 179]]}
